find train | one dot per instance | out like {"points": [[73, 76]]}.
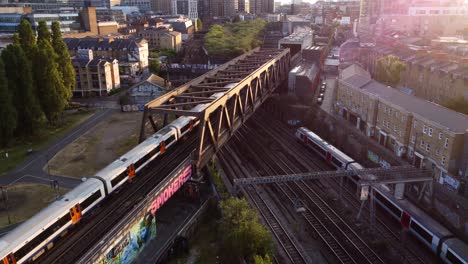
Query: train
{"points": [[432, 234], [31, 239]]}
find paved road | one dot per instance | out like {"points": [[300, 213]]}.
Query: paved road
{"points": [[329, 97], [31, 170]]}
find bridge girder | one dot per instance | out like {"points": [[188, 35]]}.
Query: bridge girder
{"points": [[257, 74]]}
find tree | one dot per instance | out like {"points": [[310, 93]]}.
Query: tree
{"points": [[26, 36], [43, 32], [48, 80], [7, 110], [388, 70], [154, 66], [63, 60], [459, 104], [20, 84], [199, 24], [262, 260], [243, 234]]}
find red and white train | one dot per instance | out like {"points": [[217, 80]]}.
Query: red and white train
{"points": [[432, 234]]}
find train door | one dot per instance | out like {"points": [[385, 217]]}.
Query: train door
{"points": [[75, 213], [131, 171], [10, 259], [162, 147], [405, 220]]}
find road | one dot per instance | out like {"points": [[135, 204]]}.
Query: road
{"points": [[31, 170]]}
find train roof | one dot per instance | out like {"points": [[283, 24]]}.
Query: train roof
{"points": [[121, 164], [458, 246], [45, 217], [419, 215], [325, 143], [181, 121]]}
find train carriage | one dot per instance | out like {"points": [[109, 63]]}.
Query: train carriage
{"points": [[36, 235], [454, 251]]}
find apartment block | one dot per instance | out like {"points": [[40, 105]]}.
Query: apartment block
{"points": [[126, 51], [95, 76], [426, 134]]}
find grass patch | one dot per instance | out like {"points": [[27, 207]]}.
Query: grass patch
{"points": [[126, 144], [25, 200], [45, 135]]}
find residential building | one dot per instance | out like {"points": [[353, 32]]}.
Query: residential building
{"points": [[182, 25], [126, 51], [162, 38], [244, 6], [94, 76], [427, 134], [433, 75], [148, 89]]}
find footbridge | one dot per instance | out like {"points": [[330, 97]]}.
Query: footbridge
{"points": [[230, 94]]}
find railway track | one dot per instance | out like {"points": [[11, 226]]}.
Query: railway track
{"points": [[98, 223], [346, 244], [282, 236], [408, 252]]}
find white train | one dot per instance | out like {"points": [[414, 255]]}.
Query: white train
{"points": [[432, 234], [38, 234]]}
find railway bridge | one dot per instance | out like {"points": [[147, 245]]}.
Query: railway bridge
{"points": [[252, 77]]}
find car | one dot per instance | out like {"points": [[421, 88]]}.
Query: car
{"points": [[324, 83], [319, 101]]}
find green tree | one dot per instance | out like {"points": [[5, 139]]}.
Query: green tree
{"points": [[459, 104], [26, 36], [7, 110], [199, 24], [262, 260], [243, 234], [388, 70], [20, 83], [48, 80], [154, 66], [43, 32], [67, 72]]}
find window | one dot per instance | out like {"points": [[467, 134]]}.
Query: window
{"points": [[446, 143], [414, 124], [430, 131], [413, 139], [395, 128], [428, 148], [422, 144], [443, 160], [452, 258], [425, 129], [421, 232], [440, 135], [437, 152]]}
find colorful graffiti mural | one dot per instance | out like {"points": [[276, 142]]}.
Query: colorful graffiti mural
{"points": [[133, 242]]}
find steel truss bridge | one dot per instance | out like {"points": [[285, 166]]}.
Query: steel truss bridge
{"points": [[256, 75]]}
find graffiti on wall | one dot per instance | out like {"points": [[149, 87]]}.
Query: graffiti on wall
{"points": [[132, 243]]}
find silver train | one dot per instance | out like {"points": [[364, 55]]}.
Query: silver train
{"points": [[34, 237], [432, 234]]}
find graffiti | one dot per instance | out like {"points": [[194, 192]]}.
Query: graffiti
{"points": [[175, 185], [133, 242]]}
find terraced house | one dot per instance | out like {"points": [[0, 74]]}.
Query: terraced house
{"points": [[427, 134], [434, 76]]}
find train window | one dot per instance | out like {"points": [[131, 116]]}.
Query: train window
{"points": [[452, 258], [421, 231], [42, 236], [337, 163], [119, 178], [184, 128], [147, 157], [388, 204], [170, 140], [91, 199]]}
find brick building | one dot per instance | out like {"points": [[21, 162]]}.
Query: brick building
{"points": [[433, 76], [425, 133], [162, 38]]}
